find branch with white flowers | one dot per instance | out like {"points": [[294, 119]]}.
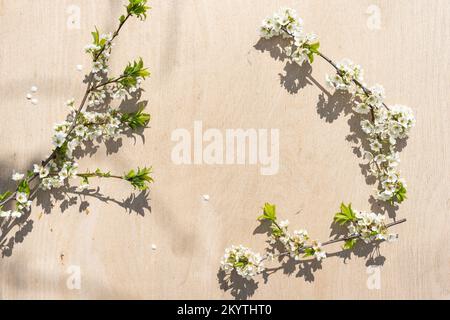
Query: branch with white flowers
{"points": [[89, 122], [385, 126], [364, 226]]}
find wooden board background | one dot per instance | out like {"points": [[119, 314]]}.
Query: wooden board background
{"points": [[205, 67]]}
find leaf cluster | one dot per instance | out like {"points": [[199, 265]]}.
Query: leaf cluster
{"points": [[140, 178], [400, 195], [313, 48], [137, 119], [137, 8], [345, 215], [132, 72]]}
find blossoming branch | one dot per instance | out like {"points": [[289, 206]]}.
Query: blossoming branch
{"points": [[364, 226], [384, 126], [93, 120]]}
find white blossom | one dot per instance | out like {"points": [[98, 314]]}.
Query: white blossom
{"points": [[246, 262], [59, 138], [5, 214], [16, 214], [348, 73], [21, 197], [287, 24], [319, 254], [369, 226], [17, 176]]}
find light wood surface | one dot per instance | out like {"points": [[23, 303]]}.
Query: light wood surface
{"points": [[205, 66]]}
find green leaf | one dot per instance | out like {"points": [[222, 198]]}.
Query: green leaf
{"points": [[269, 213], [96, 36], [309, 252], [276, 232], [132, 72], [138, 8], [345, 215], [349, 244], [137, 119], [24, 187], [140, 178], [400, 194], [314, 47]]}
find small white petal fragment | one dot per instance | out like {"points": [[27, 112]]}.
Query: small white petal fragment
{"points": [[34, 89], [29, 96], [79, 67], [34, 101], [154, 247], [206, 197]]}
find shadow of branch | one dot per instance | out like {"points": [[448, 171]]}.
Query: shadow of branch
{"points": [[68, 196]]}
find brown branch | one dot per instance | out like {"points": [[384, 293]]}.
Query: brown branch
{"points": [[89, 89]]}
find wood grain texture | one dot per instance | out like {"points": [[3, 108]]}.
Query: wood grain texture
{"points": [[205, 67]]}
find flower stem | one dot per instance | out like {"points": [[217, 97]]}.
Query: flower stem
{"points": [[95, 175]]}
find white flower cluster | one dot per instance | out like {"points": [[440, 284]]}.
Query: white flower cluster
{"points": [[89, 126], [58, 176], [385, 128], [373, 99], [100, 70], [297, 242], [246, 262], [287, 24], [344, 78], [22, 203], [370, 226], [101, 51], [389, 126], [95, 125], [10, 214], [118, 91]]}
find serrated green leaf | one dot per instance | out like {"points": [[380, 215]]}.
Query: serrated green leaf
{"points": [[137, 119], [269, 212], [140, 178], [138, 8], [132, 72], [345, 215]]}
